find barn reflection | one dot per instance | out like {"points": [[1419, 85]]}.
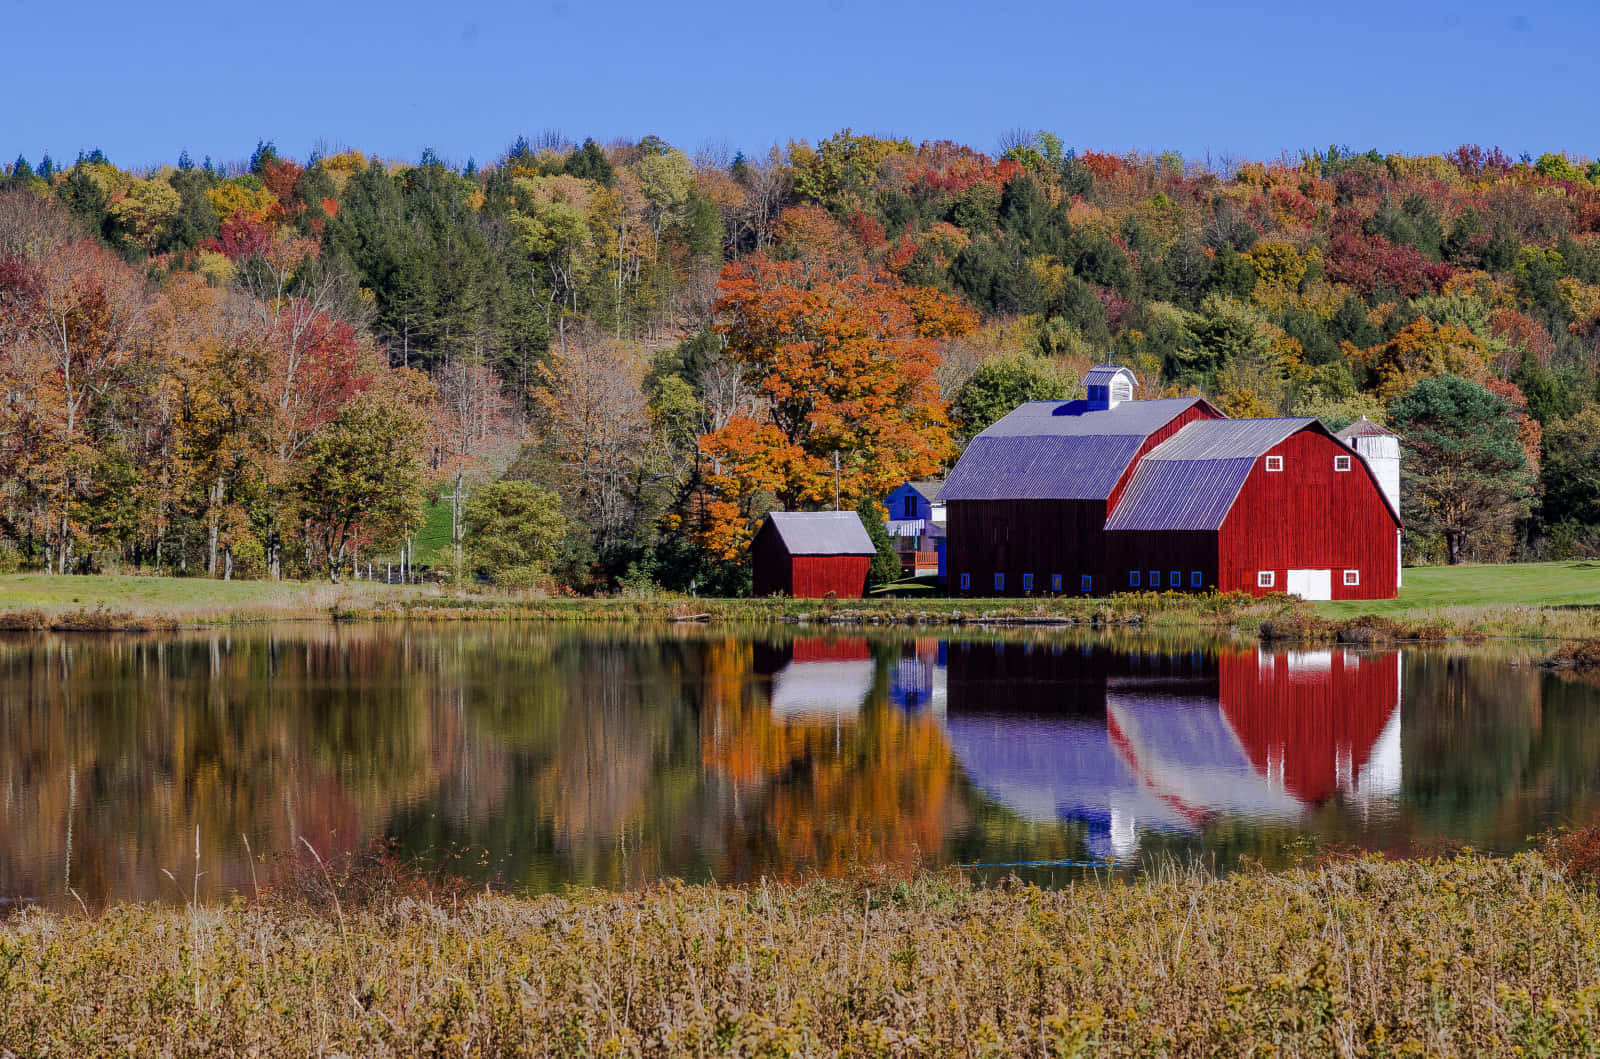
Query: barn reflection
{"points": [[1129, 743]]}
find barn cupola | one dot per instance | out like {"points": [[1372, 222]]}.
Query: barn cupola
{"points": [[1109, 385]]}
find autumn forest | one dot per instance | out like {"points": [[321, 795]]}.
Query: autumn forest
{"points": [[597, 365]]}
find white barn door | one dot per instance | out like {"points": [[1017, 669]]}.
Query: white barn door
{"points": [[1310, 584]]}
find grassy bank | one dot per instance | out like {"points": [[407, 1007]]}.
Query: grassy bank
{"points": [[1465, 955], [1538, 600]]}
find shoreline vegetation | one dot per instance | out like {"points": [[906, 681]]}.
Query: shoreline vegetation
{"points": [[1451, 955], [1547, 601]]}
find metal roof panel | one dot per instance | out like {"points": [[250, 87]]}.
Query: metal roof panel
{"points": [[822, 532]]}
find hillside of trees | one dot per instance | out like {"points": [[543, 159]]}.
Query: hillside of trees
{"points": [[606, 362]]}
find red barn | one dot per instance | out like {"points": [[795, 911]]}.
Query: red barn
{"points": [[812, 554], [1112, 494]]}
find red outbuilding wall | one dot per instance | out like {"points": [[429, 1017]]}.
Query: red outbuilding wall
{"points": [[1309, 516]]}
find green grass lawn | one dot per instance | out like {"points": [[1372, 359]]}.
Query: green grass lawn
{"points": [[191, 598], [1442, 587]]}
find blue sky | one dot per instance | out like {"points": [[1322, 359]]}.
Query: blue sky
{"points": [[1247, 79]]}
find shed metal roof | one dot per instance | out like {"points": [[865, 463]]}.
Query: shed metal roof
{"points": [[929, 490], [822, 532], [1058, 450]]}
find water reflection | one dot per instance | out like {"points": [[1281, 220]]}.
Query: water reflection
{"points": [[1125, 743], [613, 758]]}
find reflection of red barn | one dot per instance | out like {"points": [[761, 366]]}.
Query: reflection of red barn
{"points": [[812, 554], [1310, 721], [830, 649]]}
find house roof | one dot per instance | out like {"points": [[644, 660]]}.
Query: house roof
{"points": [[1191, 480], [929, 489], [821, 532], [1363, 428], [1058, 450]]}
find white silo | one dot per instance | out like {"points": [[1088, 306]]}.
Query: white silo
{"points": [[1381, 449]]}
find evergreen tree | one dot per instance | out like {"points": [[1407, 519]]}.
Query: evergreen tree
{"points": [[590, 163], [1465, 476], [886, 563]]}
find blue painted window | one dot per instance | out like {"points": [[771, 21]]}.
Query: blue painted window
{"points": [[999, 582], [1176, 580], [1055, 582], [1155, 578], [1194, 579], [1133, 579], [1088, 583], [1027, 582], [966, 581]]}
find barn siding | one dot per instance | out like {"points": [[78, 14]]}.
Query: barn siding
{"points": [[1166, 550], [814, 576], [1309, 517], [770, 562], [1014, 537]]}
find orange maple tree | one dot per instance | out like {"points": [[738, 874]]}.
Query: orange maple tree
{"points": [[841, 365]]}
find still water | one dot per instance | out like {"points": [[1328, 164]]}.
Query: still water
{"points": [[614, 758]]}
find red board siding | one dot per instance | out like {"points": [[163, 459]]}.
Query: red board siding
{"points": [[1309, 516], [815, 576]]}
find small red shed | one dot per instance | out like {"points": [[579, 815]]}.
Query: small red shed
{"points": [[812, 554]]}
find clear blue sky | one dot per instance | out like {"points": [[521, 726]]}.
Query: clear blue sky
{"points": [[143, 82]]}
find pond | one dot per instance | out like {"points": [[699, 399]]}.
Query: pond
{"points": [[152, 767]]}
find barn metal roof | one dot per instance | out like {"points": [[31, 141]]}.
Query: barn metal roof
{"points": [[1190, 481], [822, 532], [1058, 450]]}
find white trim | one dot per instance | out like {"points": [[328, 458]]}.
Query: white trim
{"points": [[1352, 577], [1274, 463], [1265, 578], [1341, 463]]}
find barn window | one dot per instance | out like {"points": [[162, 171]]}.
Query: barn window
{"points": [[1352, 577], [999, 582], [1155, 578], [1027, 582], [1194, 579], [1055, 582], [1133, 579], [1264, 579], [1274, 463], [1088, 583], [1176, 580], [1341, 463], [966, 582]]}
